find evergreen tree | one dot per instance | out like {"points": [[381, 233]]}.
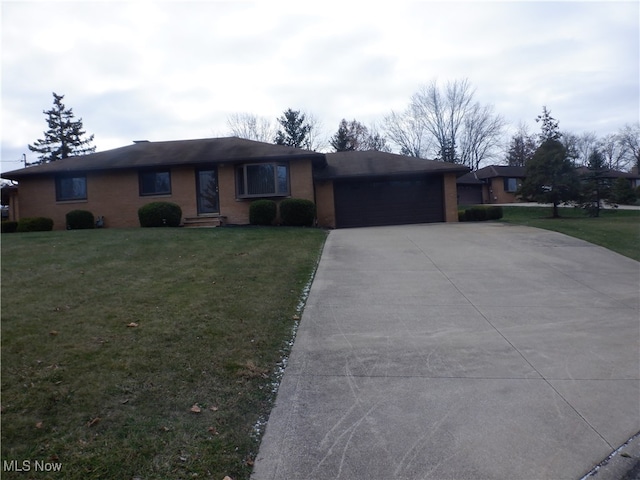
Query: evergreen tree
{"points": [[295, 130], [65, 136], [521, 149], [341, 141], [622, 192], [550, 129], [448, 152], [595, 186], [550, 176], [354, 135]]}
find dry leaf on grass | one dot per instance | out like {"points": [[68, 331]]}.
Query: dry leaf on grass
{"points": [[93, 422], [39, 425], [132, 325], [53, 333], [213, 408], [195, 408]]}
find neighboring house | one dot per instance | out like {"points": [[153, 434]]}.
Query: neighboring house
{"points": [[215, 180], [612, 175], [492, 184], [9, 202]]}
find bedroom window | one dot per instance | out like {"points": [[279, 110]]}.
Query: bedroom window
{"points": [[71, 187], [510, 185], [155, 182]]}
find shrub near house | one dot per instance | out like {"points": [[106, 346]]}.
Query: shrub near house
{"points": [[160, 214], [480, 213], [80, 219], [263, 212], [35, 224], [297, 212]]}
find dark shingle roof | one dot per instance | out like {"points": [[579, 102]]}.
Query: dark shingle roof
{"points": [[373, 163], [500, 171], [172, 153], [469, 179], [609, 173]]}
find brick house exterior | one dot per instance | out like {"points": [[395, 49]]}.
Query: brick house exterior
{"points": [[215, 180], [492, 184]]}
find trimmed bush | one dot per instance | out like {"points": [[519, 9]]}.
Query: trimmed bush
{"points": [[494, 213], [476, 214], [262, 212], [297, 212], [35, 224], [480, 213], [160, 214], [9, 226], [80, 219]]}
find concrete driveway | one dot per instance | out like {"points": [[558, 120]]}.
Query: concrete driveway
{"points": [[459, 351]]}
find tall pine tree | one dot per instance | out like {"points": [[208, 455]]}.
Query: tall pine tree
{"points": [[295, 130], [65, 136]]}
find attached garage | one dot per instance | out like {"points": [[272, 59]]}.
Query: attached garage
{"points": [[375, 188], [389, 201]]}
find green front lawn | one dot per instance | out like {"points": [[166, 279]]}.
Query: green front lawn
{"points": [[146, 353], [617, 230]]}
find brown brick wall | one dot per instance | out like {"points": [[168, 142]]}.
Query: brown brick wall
{"points": [[115, 195], [450, 197], [497, 194], [236, 210], [325, 204]]}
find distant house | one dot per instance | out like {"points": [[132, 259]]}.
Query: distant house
{"points": [[9, 201], [632, 177], [215, 180], [492, 184]]}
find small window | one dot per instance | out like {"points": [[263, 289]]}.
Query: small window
{"points": [[71, 187], [155, 182], [510, 185], [262, 180]]}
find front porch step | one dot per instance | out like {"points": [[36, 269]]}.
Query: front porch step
{"points": [[204, 221]]}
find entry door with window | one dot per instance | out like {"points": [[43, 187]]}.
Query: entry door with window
{"points": [[207, 191]]}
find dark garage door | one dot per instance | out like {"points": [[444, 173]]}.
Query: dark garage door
{"points": [[388, 201]]}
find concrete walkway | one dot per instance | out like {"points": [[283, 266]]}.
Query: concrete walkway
{"points": [[459, 351]]}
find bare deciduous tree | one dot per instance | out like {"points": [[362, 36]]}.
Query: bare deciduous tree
{"points": [[443, 112], [612, 151], [629, 137], [354, 135], [251, 127], [407, 132], [521, 147], [446, 123], [376, 140], [580, 146], [481, 135]]}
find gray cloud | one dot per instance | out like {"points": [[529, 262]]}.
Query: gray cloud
{"points": [[169, 70]]}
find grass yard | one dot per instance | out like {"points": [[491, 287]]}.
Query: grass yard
{"points": [[617, 230], [146, 353]]}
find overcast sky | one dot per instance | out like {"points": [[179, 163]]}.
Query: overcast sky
{"points": [[176, 70]]}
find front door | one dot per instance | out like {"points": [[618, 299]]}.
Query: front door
{"points": [[207, 191]]}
